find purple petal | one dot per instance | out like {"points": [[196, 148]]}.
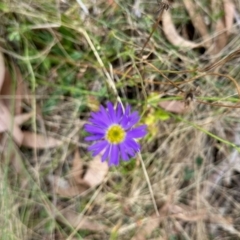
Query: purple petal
{"points": [[129, 119], [99, 120], [124, 121], [96, 148], [94, 129], [111, 111], [137, 132], [104, 115], [95, 137], [124, 155], [132, 144], [128, 110], [106, 153], [114, 155], [119, 112], [131, 152], [133, 119]]}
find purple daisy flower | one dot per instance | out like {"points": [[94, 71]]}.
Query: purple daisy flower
{"points": [[114, 133]]}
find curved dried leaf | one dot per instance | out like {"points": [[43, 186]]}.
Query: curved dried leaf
{"points": [[173, 106], [22, 118], [6, 90], [172, 34], [13, 94], [229, 10], [77, 184], [223, 25], [64, 189], [7, 124], [21, 91], [33, 140], [190, 217], [71, 191], [2, 70], [77, 168], [151, 224], [196, 18], [222, 38], [224, 222], [79, 221], [97, 170]]}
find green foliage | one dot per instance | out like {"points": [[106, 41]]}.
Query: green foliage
{"points": [[127, 167], [199, 161], [188, 174]]}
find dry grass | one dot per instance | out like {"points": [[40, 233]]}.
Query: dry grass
{"points": [[74, 55]]}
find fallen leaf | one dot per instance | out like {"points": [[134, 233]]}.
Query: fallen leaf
{"points": [[148, 227], [77, 168], [7, 124], [173, 106], [172, 34], [96, 172], [34, 140], [78, 221], [219, 219], [6, 90], [220, 41], [224, 222], [196, 18], [220, 27], [78, 184], [22, 118], [13, 89], [16, 161], [190, 217], [185, 213], [2, 70], [229, 10], [21, 91], [64, 189]]}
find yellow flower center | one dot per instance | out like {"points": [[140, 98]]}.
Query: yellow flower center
{"points": [[115, 134]]}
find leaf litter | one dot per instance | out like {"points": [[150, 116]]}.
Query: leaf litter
{"points": [[184, 213], [80, 177], [39, 141], [11, 122], [2, 70], [215, 39], [80, 180], [7, 124], [78, 221], [172, 34], [79, 184]]}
